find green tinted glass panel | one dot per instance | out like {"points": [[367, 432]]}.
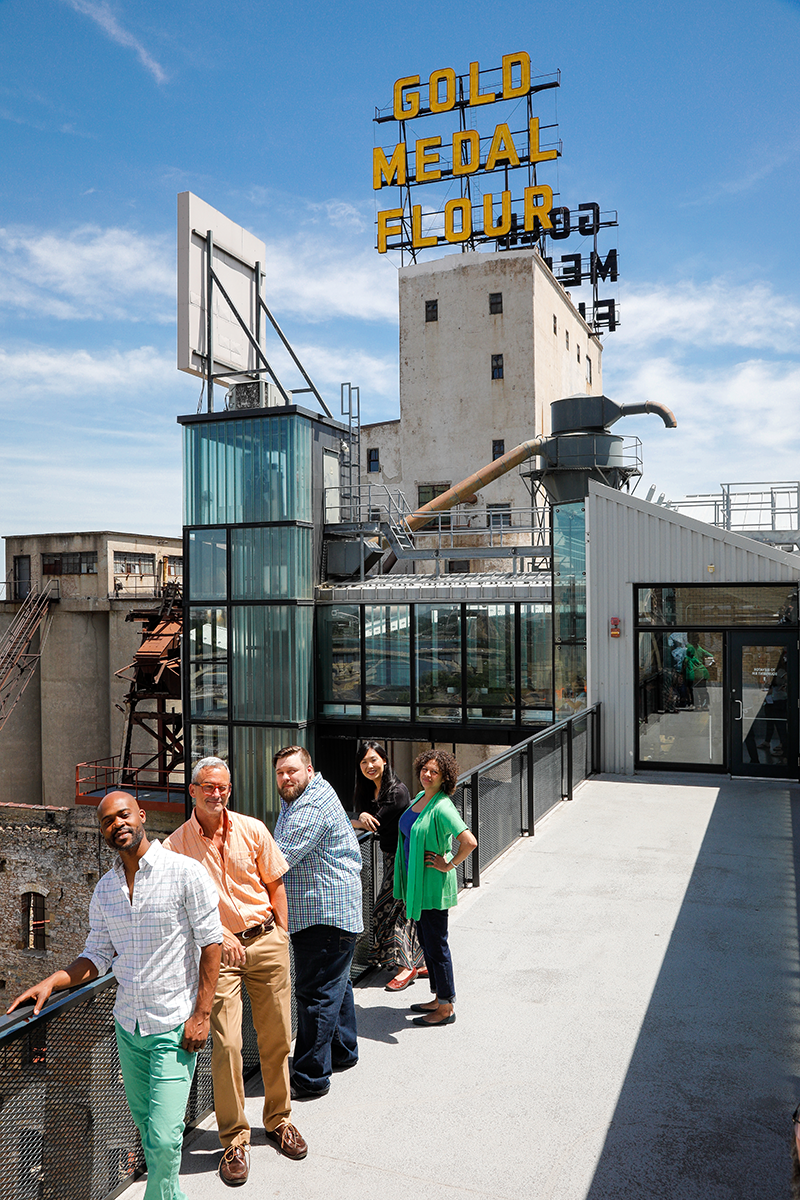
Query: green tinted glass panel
{"points": [[569, 572], [272, 564], [254, 790], [569, 663], [536, 662], [775, 604], [208, 560], [439, 661], [208, 662], [339, 659], [207, 740], [247, 471], [271, 662], [387, 635], [489, 632]]}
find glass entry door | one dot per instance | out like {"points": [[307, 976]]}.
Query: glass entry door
{"points": [[763, 703]]}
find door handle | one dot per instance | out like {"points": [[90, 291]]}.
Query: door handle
{"points": [[738, 716]]}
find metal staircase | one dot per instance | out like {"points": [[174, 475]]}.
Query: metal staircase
{"points": [[17, 660]]}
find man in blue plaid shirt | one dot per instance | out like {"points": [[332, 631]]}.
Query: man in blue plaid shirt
{"points": [[323, 888]]}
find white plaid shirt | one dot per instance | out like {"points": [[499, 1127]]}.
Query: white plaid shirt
{"points": [[157, 938]]}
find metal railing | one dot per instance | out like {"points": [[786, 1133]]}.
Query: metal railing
{"points": [[747, 507], [94, 779], [59, 1072]]}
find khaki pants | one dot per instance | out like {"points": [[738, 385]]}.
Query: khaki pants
{"points": [[266, 977]]}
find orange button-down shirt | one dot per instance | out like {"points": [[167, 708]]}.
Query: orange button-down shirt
{"points": [[249, 860]]}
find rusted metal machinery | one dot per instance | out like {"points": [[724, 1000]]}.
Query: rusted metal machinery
{"points": [[152, 702]]}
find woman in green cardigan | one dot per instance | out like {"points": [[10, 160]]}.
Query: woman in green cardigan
{"points": [[425, 875]]}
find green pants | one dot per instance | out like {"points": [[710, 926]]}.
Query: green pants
{"points": [[157, 1075]]}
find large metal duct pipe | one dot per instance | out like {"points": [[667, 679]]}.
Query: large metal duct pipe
{"points": [[650, 406], [467, 487]]}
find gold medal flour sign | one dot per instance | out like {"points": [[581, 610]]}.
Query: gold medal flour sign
{"points": [[515, 208]]}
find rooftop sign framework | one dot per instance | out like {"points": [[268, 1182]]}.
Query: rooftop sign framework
{"points": [[523, 213], [220, 303]]}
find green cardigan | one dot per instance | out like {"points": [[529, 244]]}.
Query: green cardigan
{"points": [[425, 887]]}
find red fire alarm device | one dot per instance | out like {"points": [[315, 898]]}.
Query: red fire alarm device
{"points": [[615, 629]]}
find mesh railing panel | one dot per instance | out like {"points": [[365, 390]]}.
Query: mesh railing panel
{"points": [[371, 879], [547, 775], [62, 1088], [500, 808]]}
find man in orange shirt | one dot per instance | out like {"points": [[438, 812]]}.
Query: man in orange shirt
{"points": [[247, 867]]}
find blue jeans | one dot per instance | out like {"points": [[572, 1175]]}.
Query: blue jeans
{"points": [[432, 934], [326, 1012], [157, 1075]]}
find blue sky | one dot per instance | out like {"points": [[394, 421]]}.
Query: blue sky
{"points": [[683, 117]]}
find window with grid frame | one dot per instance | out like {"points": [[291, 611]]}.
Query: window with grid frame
{"points": [[129, 562], [495, 302], [497, 366], [431, 310], [78, 562], [174, 566], [427, 492], [498, 448], [373, 459], [498, 516]]}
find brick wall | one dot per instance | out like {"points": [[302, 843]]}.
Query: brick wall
{"points": [[59, 853]]}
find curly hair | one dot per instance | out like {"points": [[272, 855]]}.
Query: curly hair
{"points": [[447, 766]]}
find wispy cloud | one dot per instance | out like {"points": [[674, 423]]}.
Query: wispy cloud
{"points": [[763, 166], [376, 376], [318, 280], [724, 358], [36, 372], [89, 273], [719, 312], [734, 424], [100, 12]]}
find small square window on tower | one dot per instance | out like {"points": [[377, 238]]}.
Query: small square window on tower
{"points": [[431, 310], [373, 459], [498, 448], [497, 366], [495, 302]]}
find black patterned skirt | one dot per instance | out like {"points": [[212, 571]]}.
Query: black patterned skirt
{"points": [[394, 937]]}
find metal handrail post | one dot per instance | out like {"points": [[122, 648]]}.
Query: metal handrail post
{"points": [[531, 820], [569, 734], [476, 824]]}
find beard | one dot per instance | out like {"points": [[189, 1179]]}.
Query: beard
{"points": [[136, 838], [290, 791]]}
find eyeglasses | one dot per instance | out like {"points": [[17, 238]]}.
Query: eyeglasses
{"points": [[208, 789]]}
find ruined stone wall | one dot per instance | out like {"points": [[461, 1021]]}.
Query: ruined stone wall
{"points": [[59, 854]]}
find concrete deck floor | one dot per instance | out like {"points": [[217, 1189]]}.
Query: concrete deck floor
{"points": [[628, 1021]]}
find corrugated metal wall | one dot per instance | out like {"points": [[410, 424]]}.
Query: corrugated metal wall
{"points": [[630, 542]]}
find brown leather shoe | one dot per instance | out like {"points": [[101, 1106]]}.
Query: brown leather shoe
{"points": [[289, 1140], [235, 1165]]}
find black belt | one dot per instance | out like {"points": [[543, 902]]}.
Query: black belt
{"points": [[255, 931]]}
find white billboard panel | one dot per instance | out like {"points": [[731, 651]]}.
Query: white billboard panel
{"points": [[236, 253]]}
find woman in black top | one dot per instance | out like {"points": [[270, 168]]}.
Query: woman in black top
{"points": [[380, 799]]}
